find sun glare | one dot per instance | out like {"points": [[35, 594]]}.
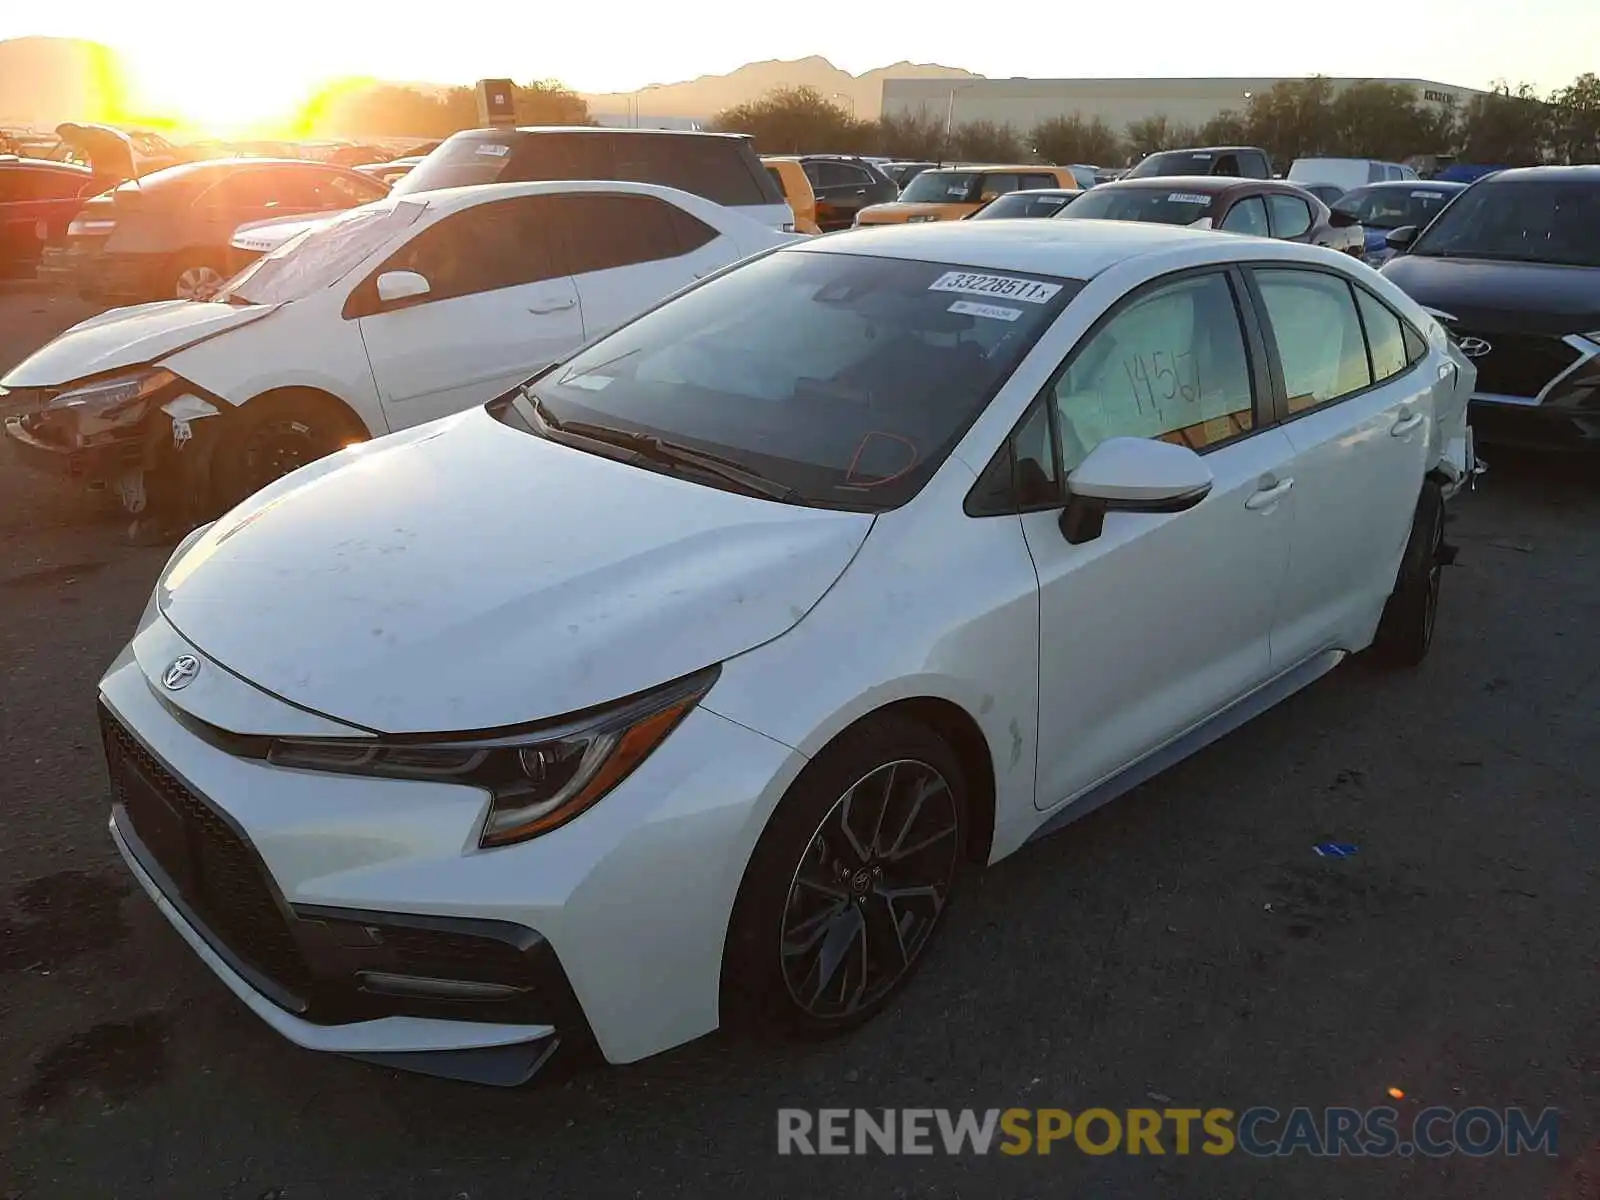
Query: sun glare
{"points": [[246, 98]]}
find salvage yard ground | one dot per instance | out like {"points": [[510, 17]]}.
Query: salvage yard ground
{"points": [[1183, 943]]}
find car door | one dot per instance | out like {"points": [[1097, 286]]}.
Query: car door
{"points": [[1289, 217], [627, 252], [1164, 619], [498, 309], [1360, 447], [841, 190]]}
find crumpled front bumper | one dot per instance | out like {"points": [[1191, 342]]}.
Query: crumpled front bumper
{"points": [[32, 447], [1460, 466]]}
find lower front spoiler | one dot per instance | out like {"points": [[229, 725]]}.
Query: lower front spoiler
{"points": [[495, 1054]]}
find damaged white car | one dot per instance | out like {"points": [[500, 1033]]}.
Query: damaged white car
{"points": [[384, 317]]}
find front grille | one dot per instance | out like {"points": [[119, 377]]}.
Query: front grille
{"points": [[1519, 364], [216, 875]]}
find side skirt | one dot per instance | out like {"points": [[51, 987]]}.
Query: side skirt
{"points": [[1185, 744]]}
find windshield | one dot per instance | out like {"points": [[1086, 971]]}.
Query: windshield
{"points": [[844, 380], [319, 257], [1174, 162], [942, 187], [461, 161], [1162, 205], [1521, 220], [1024, 204], [1394, 207]]}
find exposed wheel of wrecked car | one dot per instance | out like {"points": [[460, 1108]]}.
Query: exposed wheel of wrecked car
{"points": [[196, 277], [850, 879], [1406, 629], [275, 434]]}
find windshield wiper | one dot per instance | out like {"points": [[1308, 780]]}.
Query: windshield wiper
{"points": [[658, 450]]}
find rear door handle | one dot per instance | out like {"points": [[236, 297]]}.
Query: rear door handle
{"points": [[550, 306], [1268, 496], [1405, 424]]}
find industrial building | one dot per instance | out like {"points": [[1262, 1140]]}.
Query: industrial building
{"points": [[1023, 103]]}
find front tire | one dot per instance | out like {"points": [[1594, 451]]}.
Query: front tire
{"points": [[849, 882], [1405, 632], [275, 434]]}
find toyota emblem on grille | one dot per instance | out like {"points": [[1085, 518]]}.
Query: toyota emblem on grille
{"points": [[1475, 347], [181, 673]]}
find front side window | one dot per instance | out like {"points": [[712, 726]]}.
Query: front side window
{"points": [[844, 379], [483, 249], [1248, 216], [1318, 335], [1170, 364], [1163, 205], [1291, 216], [1519, 220], [942, 187]]}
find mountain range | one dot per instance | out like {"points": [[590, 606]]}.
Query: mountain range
{"points": [[710, 94], [45, 80]]}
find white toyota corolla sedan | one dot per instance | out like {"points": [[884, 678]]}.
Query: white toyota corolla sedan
{"points": [[685, 683]]}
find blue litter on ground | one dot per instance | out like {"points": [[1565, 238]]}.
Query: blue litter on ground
{"points": [[1336, 849]]}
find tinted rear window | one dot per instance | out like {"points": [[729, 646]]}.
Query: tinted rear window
{"points": [[723, 170], [1394, 207], [1163, 205]]}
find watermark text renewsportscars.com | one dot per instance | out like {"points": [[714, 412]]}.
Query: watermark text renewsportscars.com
{"points": [[1260, 1132]]}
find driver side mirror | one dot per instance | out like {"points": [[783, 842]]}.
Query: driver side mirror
{"points": [[401, 285], [1399, 240], [1129, 474]]}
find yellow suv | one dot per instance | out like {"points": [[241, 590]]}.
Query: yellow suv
{"points": [[791, 179], [950, 193]]}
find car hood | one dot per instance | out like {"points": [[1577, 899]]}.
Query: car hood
{"points": [[885, 214], [1513, 297], [127, 337], [465, 575], [109, 151]]}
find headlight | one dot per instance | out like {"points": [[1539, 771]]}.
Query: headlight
{"points": [[98, 398], [91, 226], [537, 780]]}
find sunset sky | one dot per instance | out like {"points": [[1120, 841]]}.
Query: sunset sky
{"points": [[236, 62]]}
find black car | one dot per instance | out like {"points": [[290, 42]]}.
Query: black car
{"points": [[1241, 162], [38, 198], [1380, 207], [844, 186], [1035, 202], [1512, 269], [166, 235], [902, 173]]}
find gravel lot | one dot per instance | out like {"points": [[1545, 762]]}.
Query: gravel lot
{"points": [[1184, 942]]}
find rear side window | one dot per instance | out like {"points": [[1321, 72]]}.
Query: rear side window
{"points": [[1318, 335], [1416, 347], [999, 185], [1385, 337], [717, 168], [1291, 216], [1039, 181], [600, 232]]}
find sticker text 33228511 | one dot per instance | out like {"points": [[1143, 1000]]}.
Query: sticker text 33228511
{"points": [[1007, 287]]}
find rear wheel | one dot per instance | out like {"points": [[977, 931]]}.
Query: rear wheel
{"points": [[850, 881], [1405, 631], [195, 276]]}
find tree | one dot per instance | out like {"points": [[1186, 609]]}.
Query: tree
{"points": [[1158, 132], [1293, 118], [915, 136], [1379, 120], [1227, 128], [549, 102], [794, 120], [1505, 127], [1575, 119], [985, 141], [1067, 140]]}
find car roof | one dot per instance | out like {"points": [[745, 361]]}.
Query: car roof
{"points": [[1394, 185], [599, 129], [1584, 173], [1066, 249], [1055, 191], [468, 195], [1210, 185]]}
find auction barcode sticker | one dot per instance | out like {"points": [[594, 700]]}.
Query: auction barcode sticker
{"points": [[995, 312], [1004, 286], [1188, 198], [1427, 195]]}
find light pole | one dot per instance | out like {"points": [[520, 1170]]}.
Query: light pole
{"points": [[950, 115], [845, 96], [637, 92]]}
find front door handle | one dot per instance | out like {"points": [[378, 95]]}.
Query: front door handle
{"points": [[551, 306], [1268, 496], [1405, 424]]}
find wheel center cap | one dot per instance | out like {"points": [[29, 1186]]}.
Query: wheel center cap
{"points": [[861, 881]]}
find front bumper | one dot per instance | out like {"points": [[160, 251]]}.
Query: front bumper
{"points": [[32, 449], [612, 927]]}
